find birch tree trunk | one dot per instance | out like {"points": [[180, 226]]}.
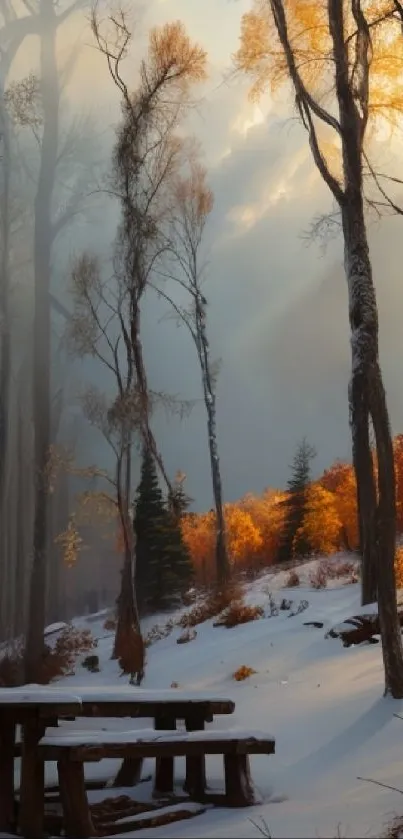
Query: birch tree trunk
{"points": [[376, 502], [222, 563]]}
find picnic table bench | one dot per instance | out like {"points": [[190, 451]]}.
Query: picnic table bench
{"points": [[36, 709], [72, 749]]}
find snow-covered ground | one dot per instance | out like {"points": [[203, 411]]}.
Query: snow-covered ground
{"points": [[322, 702]]}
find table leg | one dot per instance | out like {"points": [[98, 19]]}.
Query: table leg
{"points": [[32, 785], [195, 783], [7, 743], [129, 773], [164, 766]]}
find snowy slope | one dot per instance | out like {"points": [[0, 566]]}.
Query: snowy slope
{"points": [[322, 702]]}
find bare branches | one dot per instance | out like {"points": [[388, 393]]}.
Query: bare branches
{"points": [[114, 45], [307, 107]]}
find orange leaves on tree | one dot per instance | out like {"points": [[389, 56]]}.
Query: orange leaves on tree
{"points": [[261, 56], [322, 526], [243, 537]]}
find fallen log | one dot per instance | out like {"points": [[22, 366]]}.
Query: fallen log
{"points": [[359, 629]]}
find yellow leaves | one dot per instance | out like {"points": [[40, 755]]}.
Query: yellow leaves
{"points": [[321, 527], [261, 56], [59, 460], [71, 542], [243, 536]]}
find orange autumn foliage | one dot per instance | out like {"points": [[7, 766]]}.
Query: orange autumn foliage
{"points": [[322, 525], [244, 539], [254, 523], [261, 57]]}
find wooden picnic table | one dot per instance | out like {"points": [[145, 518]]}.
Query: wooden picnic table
{"points": [[36, 708], [165, 707]]}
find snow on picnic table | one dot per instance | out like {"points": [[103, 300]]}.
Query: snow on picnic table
{"points": [[36, 694], [106, 693], [84, 738], [323, 703]]}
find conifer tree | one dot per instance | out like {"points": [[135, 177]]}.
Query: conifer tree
{"points": [[164, 566], [179, 500], [293, 541]]}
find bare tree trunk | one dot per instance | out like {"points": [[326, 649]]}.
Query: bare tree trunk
{"points": [[42, 334], [128, 646], [368, 402], [5, 351], [386, 533], [20, 517], [222, 564], [142, 386]]}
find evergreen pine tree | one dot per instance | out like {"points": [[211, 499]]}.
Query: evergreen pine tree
{"points": [[295, 503], [164, 566], [179, 501]]}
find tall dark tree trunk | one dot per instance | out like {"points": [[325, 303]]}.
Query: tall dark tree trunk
{"points": [[5, 356], [42, 333], [21, 515], [376, 498], [222, 564]]}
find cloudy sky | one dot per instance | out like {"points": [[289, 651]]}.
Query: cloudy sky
{"points": [[278, 308]]}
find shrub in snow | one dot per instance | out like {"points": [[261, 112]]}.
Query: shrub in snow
{"points": [[318, 577], [292, 580], [238, 613], [338, 569], [110, 624], [302, 606], [11, 664], [60, 660], [273, 608], [285, 605], [187, 635], [157, 633], [57, 661], [243, 672], [91, 663], [212, 605], [189, 597]]}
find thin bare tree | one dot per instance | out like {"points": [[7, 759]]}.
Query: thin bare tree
{"points": [[191, 206], [147, 155]]}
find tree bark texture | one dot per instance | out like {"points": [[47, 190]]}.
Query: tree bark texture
{"points": [[42, 333]]}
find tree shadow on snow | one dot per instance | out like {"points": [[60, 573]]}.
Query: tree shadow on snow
{"points": [[345, 743]]}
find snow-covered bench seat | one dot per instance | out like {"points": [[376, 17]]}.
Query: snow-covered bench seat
{"points": [[72, 749]]}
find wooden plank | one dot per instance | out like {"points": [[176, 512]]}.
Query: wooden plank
{"points": [[195, 782], [164, 766], [152, 709], [160, 749], [238, 784], [155, 819], [32, 788], [76, 814], [7, 742]]}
